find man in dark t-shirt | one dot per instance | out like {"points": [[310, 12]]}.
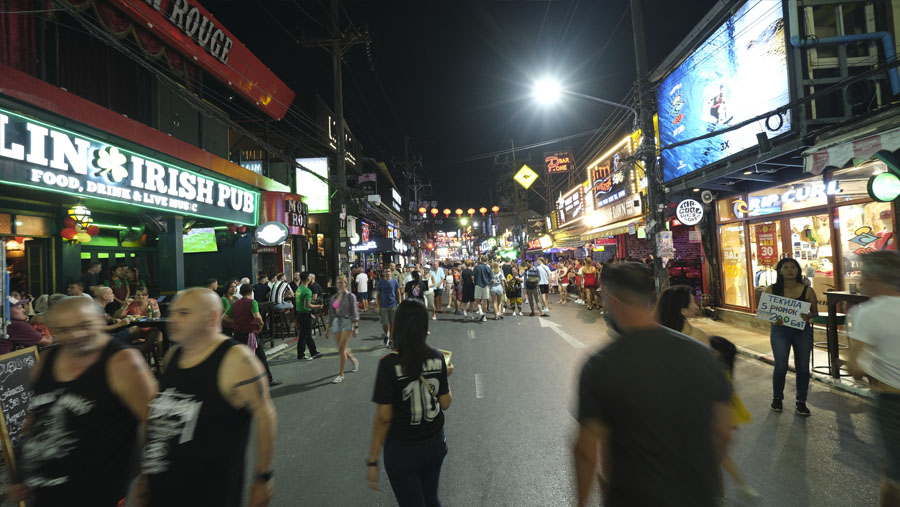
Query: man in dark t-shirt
{"points": [[467, 278], [660, 433]]}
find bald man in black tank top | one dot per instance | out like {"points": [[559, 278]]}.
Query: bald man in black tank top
{"points": [[90, 394], [198, 427]]}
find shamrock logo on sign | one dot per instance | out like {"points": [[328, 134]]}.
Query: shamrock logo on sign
{"points": [[111, 163]]}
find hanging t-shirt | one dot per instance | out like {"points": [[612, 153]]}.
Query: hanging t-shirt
{"points": [[417, 415]]}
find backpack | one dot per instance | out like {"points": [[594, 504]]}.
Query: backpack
{"points": [[532, 277]]}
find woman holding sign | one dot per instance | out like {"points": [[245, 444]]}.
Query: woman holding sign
{"points": [[789, 284]]}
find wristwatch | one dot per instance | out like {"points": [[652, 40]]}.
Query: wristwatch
{"points": [[265, 476]]}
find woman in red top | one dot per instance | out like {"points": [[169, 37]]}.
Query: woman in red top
{"points": [[142, 306], [591, 282]]}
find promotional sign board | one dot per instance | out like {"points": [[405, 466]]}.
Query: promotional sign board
{"points": [[314, 190], [623, 209], [16, 369], [739, 72], [773, 308], [570, 207], [40, 155], [608, 175], [689, 212], [558, 161], [191, 30], [766, 245]]}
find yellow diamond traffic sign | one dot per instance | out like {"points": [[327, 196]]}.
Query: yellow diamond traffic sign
{"points": [[525, 177]]}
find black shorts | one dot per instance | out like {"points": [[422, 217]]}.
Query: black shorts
{"points": [[545, 288], [438, 292], [468, 293]]}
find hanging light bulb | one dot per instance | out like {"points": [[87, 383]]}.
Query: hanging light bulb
{"points": [[81, 215]]}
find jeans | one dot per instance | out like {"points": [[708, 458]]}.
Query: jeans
{"points": [[304, 324], [260, 353], [414, 469], [782, 339]]}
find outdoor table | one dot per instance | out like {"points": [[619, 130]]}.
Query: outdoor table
{"points": [[833, 298]]}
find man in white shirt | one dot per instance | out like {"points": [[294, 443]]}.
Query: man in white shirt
{"points": [[544, 283], [875, 353], [438, 285], [362, 288]]}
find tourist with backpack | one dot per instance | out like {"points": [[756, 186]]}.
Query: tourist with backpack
{"points": [[532, 278]]}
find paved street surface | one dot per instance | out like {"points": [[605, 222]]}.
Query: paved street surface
{"points": [[510, 426]]}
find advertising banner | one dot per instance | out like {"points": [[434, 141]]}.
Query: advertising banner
{"points": [[367, 183], [766, 245], [787, 310], [623, 209], [558, 161], [314, 190], [739, 72], [570, 207], [608, 175], [40, 155]]}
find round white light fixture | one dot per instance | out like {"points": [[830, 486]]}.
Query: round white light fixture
{"points": [[547, 91], [272, 234]]}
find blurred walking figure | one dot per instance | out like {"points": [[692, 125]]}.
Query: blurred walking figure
{"points": [[411, 393], [789, 283], [197, 432], [343, 320], [591, 282], [90, 394], [661, 438], [675, 307], [875, 353]]}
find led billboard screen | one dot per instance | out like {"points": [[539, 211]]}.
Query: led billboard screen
{"points": [[738, 73]]}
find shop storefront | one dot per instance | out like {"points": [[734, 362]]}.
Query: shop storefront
{"points": [[825, 222], [378, 251], [138, 205], [275, 254]]}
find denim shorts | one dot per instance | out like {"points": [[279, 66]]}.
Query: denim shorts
{"points": [[341, 324], [887, 418]]}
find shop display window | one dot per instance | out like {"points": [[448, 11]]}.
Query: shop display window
{"points": [[811, 246], [32, 226], [734, 265], [864, 228], [792, 196]]}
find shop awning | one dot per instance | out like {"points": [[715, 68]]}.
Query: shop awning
{"points": [[613, 229], [858, 145]]}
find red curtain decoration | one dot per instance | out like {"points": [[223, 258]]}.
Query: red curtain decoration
{"points": [[17, 34]]}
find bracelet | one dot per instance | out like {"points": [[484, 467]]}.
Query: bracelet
{"points": [[265, 476], [372, 463]]}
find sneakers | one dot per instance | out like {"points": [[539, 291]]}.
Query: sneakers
{"points": [[480, 312], [338, 379], [776, 405], [465, 313], [483, 318], [545, 311], [305, 358], [747, 492], [390, 344], [315, 356], [802, 409]]}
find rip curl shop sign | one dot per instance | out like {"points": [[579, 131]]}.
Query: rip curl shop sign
{"points": [[39, 155]]}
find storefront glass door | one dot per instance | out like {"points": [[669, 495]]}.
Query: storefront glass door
{"points": [[734, 265], [765, 251], [810, 242]]}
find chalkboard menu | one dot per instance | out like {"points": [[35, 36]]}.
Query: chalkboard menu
{"points": [[15, 396]]}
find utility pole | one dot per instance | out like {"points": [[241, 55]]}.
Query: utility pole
{"points": [[338, 43], [656, 197]]}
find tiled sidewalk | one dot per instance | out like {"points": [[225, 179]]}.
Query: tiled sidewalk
{"points": [[755, 343]]}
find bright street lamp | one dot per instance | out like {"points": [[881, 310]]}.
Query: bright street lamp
{"points": [[547, 91]]}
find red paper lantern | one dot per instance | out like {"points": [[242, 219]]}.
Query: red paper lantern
{"points": [[69, 233], [482, 210], [495, 209], [459, 212], [93, 230], [423, 210], [69, 223], [435, 211], [447, 213], [471, 211]]}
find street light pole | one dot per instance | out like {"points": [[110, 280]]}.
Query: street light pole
{"points": [[608, 103], [647, 150]]}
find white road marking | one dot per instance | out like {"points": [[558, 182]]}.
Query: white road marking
{"points": [[564, 335], [479, 388], [471, 334]]}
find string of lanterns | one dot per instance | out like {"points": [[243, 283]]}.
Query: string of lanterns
{"points": [[424, 210]]}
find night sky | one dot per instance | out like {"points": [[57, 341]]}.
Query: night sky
{"points": [[455, 76]]}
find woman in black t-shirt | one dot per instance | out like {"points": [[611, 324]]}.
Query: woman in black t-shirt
{"points": [[412, 392], [416, 288]]}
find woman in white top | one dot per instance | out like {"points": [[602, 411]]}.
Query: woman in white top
{"points": [[498, 287], [449, 288], [429, 294]]}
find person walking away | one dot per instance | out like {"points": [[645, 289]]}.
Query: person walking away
{"points": [[415, 289], [210, 391], [544, 283], [362, 286], [591, 282], [87, 383], [875, 353], [429, 292], [498, 287], [675, 308], [649, 456], [514, 290], [563, 277], [725, 351], [554, 279], [245, 320], [387, 297], [304, 308], [439, 276], [483, 276], [789, 283], [343, 319], [532, 279], [468, 289], [411, 394], [450, 288]]}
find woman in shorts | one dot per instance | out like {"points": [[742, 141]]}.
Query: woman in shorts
{"points": [[343, 320], [514, 290], [498, 287]]}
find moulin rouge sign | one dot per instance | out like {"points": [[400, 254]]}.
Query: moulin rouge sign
{"points": [[39, 155]]}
